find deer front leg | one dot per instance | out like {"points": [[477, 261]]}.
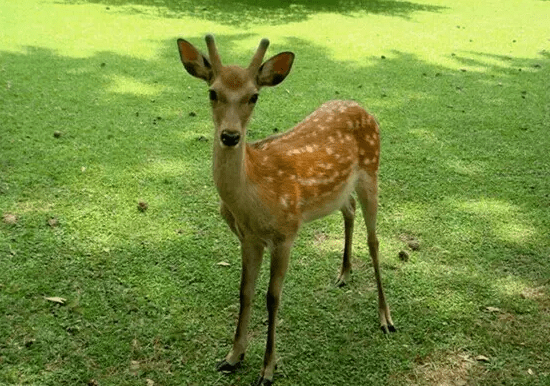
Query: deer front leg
{"points": [[280, 255], [252, 251]]}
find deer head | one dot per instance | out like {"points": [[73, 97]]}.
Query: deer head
{"points": [[233, 90]]}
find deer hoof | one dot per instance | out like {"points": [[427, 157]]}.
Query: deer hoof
{"points": [[261, 381], [343, 278], [340, 283], [388, 328], [227, 368]]}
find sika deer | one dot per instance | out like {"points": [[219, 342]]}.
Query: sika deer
{"points": [[269, 188]]}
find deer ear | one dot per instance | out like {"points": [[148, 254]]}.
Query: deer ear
{"points": [[275, 70], [194, 62]]}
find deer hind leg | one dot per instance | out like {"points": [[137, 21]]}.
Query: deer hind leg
{"points": [[367, 192], [348, 211], [252, 252]]}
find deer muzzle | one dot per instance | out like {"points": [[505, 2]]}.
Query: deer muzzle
{"points": [[230, 138]]}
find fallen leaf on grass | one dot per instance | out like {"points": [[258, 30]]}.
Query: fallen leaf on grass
{"points": [[134, 367], [224, 264], [56, 299], [482, 358]]}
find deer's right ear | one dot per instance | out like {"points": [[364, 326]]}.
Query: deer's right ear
{"points": [[194, 62]]}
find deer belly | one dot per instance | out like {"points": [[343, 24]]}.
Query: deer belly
{"points": [[323, 204]]}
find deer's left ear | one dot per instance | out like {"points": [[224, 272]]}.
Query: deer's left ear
{"points": [[275, 70]]}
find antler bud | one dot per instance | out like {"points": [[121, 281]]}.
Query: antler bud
{"points": [[213, 54], [258, 56]]}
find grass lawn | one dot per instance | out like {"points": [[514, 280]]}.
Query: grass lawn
{"points": [[97, 114]]}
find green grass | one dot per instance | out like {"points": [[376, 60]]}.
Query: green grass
{"points": [[462, 93]]}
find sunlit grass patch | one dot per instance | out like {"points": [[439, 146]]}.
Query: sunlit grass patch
{"points": [[126, 85], [500, 218]]}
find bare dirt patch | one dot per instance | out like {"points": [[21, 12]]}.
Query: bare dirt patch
{"points": [[441, 369]]}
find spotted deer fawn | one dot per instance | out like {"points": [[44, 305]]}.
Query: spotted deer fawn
{"points": [[270, 187]]}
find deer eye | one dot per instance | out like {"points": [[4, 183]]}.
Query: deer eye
{"points": [[213, 95], [253, 99]]}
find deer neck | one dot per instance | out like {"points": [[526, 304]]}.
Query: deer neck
{"points": [[229, 169]]}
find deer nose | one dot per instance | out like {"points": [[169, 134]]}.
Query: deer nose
{"points": [[230, 138]]}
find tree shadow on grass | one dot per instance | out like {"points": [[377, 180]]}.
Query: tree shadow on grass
{"points": [[245, 12], [459, 147]]}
